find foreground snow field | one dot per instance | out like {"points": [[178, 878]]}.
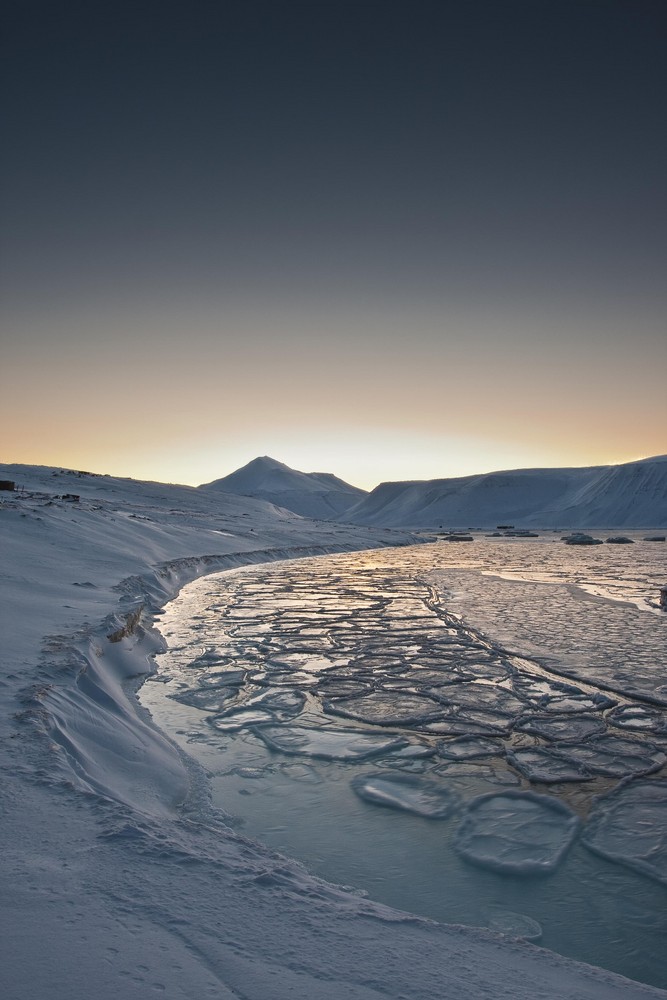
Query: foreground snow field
{"points": [[118, 878]]}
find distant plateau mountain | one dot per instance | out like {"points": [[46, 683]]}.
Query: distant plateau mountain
{"points": [[633, 495]]}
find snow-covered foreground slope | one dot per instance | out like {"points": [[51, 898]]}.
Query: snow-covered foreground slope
{"points": [[118, 878], [622, 496], [311, 494]]}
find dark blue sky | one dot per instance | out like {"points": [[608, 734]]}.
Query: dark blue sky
{"points": [[309, 209]]}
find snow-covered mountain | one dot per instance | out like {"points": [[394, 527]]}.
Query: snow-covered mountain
{"points": [[318, 495], [633, 495]]}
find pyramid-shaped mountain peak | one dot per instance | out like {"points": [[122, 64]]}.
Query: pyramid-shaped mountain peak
{"points": [[319, 495]]}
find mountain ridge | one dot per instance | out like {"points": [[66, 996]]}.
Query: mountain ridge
{"points": [[633, 494]]}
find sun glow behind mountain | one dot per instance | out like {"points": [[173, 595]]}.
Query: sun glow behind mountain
{"points": [[405, 251]]}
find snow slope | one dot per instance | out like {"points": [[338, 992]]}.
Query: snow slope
{"points": [[633, 495], [311, 494], [117, 876]]}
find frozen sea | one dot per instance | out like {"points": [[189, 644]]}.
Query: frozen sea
{"points": [[475, 732]]}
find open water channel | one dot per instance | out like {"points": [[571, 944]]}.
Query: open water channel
{"points": [[474, 732]]}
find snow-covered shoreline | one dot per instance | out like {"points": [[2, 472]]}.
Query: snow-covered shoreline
{"points": [[119, 876]]}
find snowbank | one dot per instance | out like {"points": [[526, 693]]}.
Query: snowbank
{"points": [[119, 879]]}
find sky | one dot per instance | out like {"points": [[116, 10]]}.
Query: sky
{"points": [[389, 240]]}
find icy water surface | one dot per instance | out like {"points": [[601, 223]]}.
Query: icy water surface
{"points": [[476, 732]]}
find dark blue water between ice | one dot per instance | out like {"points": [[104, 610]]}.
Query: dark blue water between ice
{"points": [[475, 733]]}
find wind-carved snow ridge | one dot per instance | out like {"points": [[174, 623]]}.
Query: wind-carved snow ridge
{"points": [[110, 749], [105, 747]]}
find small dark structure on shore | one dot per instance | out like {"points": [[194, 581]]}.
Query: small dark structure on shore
{"points": [[7, 484]]}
